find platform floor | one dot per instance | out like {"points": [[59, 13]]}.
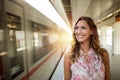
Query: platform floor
{"points": [[114, 69]]}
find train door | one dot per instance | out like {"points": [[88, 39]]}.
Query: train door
{"points": [[4, 61], [12, 48]]}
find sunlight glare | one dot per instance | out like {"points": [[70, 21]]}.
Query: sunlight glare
{"points": [[46, 8]]}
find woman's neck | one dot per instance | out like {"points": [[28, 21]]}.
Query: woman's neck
{"points": [[85, 47]]}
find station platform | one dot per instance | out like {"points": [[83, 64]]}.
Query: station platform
{"points": [[59, 72]]}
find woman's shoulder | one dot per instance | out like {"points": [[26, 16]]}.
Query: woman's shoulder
{"points": [[105, 56], [67, 57], [104, 52]]}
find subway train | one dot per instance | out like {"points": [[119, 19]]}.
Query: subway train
{"points": [[31, 45]]}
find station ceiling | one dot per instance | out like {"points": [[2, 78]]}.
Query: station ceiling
{"points": [[93, 8]]}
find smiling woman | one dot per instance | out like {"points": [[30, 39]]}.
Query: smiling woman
{"points": [[86, 60]]}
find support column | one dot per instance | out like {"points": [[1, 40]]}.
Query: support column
{"points": [[116, 35]]}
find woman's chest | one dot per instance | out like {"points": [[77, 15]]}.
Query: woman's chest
{"points": [[88, 66]]}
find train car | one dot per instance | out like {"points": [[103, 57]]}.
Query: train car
{"points": [[30, 43]]}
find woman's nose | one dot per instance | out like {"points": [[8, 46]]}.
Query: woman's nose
{"points": [[79, 30]]}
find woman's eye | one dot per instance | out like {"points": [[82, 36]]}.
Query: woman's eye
{"points": [[83, 27], [76, 27]]}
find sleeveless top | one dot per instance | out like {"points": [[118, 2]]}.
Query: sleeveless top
{"points": [[88, 67]]}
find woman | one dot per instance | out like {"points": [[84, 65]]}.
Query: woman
{"points": [[86, 60]]}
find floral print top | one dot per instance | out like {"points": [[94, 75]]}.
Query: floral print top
{"points": [[88, 67]]}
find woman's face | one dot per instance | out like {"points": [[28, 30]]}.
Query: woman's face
{"points": [[82, 31]]}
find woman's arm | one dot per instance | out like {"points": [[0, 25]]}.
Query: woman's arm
{"points": [[67, 64], [107, 65]]}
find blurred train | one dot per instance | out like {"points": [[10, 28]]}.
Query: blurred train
{"points": [[30, 43]]}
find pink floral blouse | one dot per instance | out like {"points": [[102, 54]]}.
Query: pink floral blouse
{"points": [[88, 67]]}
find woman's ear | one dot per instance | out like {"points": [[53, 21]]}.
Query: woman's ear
{"points": [[92, 32]]}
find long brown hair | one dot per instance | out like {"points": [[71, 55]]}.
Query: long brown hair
{"points": [[94, 39]]}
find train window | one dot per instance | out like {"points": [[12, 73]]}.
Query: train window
{"points": [[1, 41], [16, 45], [42, 43]]}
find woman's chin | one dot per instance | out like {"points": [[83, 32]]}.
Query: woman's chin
{"points": [[80, 41]]}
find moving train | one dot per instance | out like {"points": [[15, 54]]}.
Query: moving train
{"points": [[31, 45]]}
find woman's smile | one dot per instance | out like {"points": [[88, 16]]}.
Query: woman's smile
{"points": [[79, 36]]}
